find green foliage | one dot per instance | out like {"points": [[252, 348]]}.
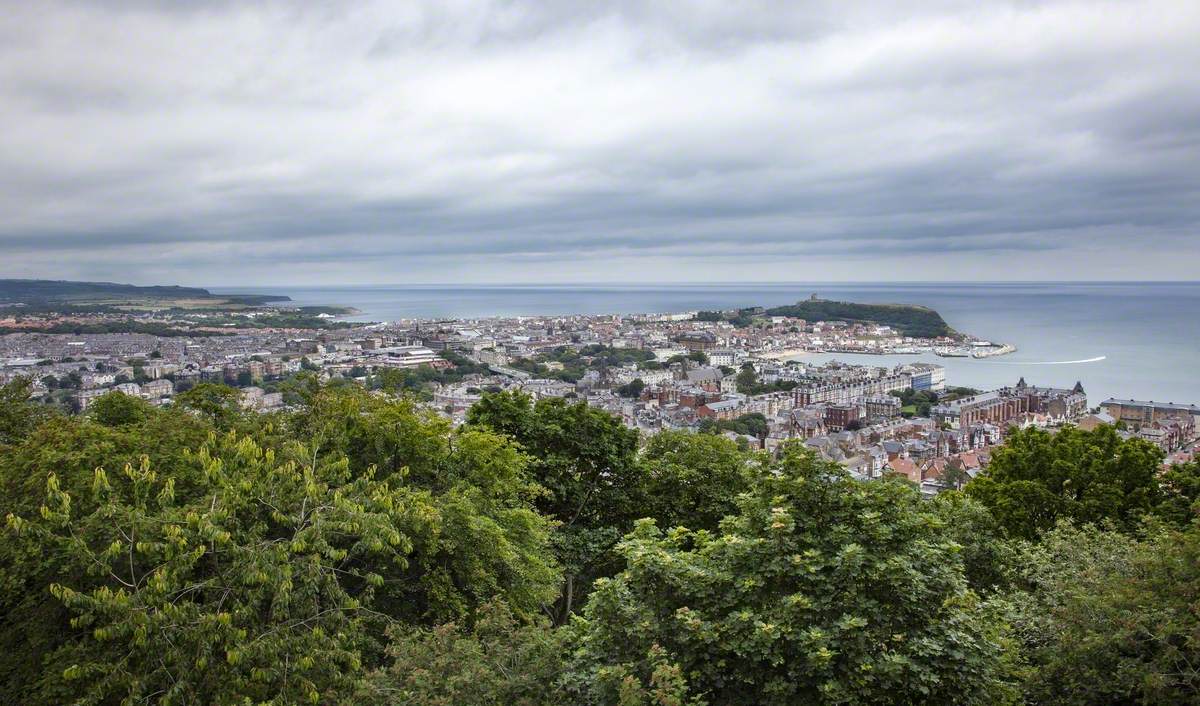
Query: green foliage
{"points": [[740, 318], [585, 459], [1181, 485], [633, 389], [496, 661], [916, 402], [751, 424], [19, 415], [358, 549], [1108, 619], [1038, 478], [221, 404], [115, 326], [693, 480], [118, 409], [989, 558], [262, 565], [749, 384], [820, 590], [916, 321]]}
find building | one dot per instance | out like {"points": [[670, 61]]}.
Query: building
{"points": [[995, 407], [820, 391], [720, 409], [881, 407], [841, 416], [928, 376], [1059, 404], [1010, 405], [722, 356], [1137, 413], [698, 340], [157, 389]]}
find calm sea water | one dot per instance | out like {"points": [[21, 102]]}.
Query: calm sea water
{"points": [[1121, 339]]}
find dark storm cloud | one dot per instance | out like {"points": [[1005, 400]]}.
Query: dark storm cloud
{"points": [[225, 142]]}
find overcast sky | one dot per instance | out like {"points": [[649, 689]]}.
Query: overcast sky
{"points": [[225, 143]]}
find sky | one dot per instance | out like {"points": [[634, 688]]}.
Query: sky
{"points": [[211, 142]]}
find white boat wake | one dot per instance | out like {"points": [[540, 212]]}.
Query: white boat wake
{"points": [[1097, 359]]}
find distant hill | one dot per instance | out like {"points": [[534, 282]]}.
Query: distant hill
{"points": [[908, 319], [45, 291]]}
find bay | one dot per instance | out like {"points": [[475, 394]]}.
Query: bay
{"points": [[1120, 339]]}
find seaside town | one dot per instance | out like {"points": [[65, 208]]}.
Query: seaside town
{"points": [[742, 374]]}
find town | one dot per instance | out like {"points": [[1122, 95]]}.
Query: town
{"points": [[741, 374]]}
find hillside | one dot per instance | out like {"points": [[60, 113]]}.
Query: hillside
{"points": [[908, 319], [42, 292]]}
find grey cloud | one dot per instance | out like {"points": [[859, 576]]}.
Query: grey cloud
{"points": [[366, 140]]}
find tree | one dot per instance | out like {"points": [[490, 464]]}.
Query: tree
{"points": [[632, 389], [262, 566], [1181, 486], [118, 409], [586, 460], [990, 560], [1037, 478], [820, 590], [497, 660], [221, 404], [1109, 619], [955, 475], [19, 416], [693, 480]]}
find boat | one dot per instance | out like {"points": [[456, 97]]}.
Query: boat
{"points": [[947, 352]]}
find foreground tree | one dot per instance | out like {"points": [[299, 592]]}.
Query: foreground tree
{"points": [[19, 415], [1038, 478], [244, 571], [820, 590], [693, 480], [1109, 619], [586, 460], [496, 661]]}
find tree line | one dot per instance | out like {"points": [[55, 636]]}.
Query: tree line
{"points": [[357, 549]]}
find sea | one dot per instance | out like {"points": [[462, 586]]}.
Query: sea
{"points": [[1138, 340]]}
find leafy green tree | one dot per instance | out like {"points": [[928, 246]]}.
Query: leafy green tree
{"points": [[262, 567], [585, 459], [989, 558], [498, 660], [693, 480], [1038, 478], [632, 389], [118, 409], [239, 596], [821, 590], [1109, 619], [19, 415], [221, 404], [32, 624], [1181, 486]]}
